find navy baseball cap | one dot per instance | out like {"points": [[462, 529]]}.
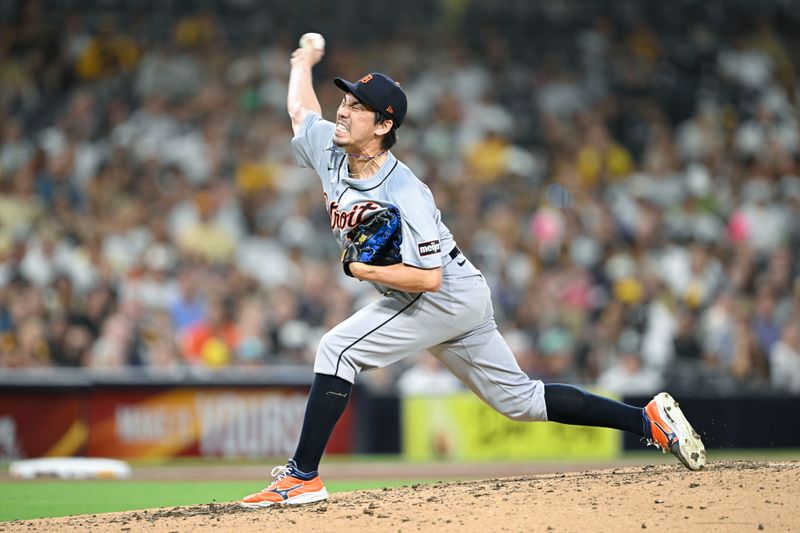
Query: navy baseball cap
{"points": [[380, 92]]}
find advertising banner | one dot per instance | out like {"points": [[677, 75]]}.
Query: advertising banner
{"points": [[156, 422], [462, 427], [41, 424], [213, 422]]}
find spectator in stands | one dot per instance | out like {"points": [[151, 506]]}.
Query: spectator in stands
{"points": [[209, 226], [188, 306], [113, 349], [785, 359], [253, 348], [70, 342], [157, 346], [628, 375], [212, 342]]}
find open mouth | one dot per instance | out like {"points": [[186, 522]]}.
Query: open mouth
{"points": [[341, 128]]}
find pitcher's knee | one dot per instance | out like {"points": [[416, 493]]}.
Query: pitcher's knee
{"points": [[327, 343], [332, 358], [523, 413], [525, 406]]}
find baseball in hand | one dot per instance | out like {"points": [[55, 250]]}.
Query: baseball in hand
{"points": [[312, 40]]}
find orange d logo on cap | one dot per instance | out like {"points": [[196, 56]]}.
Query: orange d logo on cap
{"points": [[379, 92]]}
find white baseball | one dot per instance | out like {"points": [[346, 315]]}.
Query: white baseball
{"points": [[313, 40]]}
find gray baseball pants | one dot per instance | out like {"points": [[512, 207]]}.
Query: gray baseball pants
{"points": [[456, 325]]}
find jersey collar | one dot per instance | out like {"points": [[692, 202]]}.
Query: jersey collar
{"points": [[369, 183]]}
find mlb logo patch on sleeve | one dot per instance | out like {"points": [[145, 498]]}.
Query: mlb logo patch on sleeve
{"points": [[429, 248]]}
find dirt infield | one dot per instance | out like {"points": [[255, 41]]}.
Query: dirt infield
{"points": [[726, 497]]}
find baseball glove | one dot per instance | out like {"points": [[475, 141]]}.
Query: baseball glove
{"points": [[375, 242]]}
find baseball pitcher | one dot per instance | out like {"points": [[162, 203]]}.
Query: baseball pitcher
{"points": [[392, 235]]}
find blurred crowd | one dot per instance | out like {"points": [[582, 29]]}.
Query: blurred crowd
{"points": [[629, 185]]}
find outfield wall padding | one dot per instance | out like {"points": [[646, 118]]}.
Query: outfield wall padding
{"points": [[152, 418]]}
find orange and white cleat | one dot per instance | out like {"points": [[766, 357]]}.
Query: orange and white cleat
{"points": [[290, 487], [670, 431]]}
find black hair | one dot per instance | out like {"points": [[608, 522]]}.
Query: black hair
{"points": [[390, 138]]}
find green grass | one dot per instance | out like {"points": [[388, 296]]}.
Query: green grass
{"points": [[644, 453], [41, 499]]}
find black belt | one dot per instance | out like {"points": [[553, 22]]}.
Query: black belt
{"points": [[454, 252]]}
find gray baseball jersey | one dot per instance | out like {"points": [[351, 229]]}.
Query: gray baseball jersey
{"points": [[456, 324]]}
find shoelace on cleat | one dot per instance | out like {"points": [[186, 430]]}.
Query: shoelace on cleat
{"points": [[651, 442], [278, 473]]}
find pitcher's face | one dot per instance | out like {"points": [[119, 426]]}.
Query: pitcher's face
{"points": [[356, 129]]}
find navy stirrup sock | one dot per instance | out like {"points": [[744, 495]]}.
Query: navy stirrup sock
{"points": [[327, 401], [570, 405], [299, 474]]}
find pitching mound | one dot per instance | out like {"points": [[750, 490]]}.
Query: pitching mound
{"points": [[726, 496]]}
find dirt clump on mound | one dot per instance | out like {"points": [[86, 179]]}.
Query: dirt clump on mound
{"points": [[725, 497]]}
